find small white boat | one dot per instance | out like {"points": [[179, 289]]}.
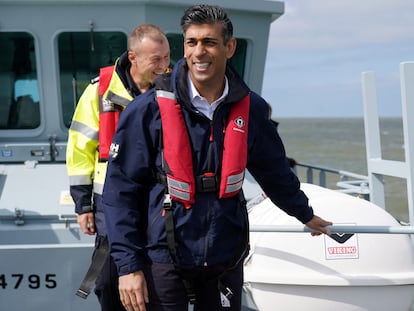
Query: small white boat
{"points": [[296, 271]]}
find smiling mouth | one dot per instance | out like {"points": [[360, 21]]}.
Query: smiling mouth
{"points": [[201, 66]]}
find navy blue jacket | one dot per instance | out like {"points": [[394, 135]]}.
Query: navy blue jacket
{"points": [[211, 232]]}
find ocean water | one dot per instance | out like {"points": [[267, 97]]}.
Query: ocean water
{"points": [[339, 143]]}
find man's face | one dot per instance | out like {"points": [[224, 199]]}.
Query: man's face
{"points": [[207, 54], [150, 60]]}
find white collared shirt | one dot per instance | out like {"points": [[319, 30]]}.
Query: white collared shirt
{"points": [[200, 103]]}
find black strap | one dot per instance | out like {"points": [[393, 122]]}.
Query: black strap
{"points": [[238, 255], [169, 227], [100, 255]]}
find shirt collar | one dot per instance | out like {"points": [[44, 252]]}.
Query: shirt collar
{"points": [[201, 103]]}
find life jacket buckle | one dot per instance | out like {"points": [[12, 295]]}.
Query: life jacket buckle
{"points": [[191, 298], [225, 291], [167, 205], [207, 183]]}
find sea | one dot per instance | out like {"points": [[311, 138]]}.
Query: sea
{"points": [[339, 143]]}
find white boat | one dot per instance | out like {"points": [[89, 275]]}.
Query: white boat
{"points": [[50, 51], [347, 271]]}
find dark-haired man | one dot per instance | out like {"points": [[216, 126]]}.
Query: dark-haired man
{"points": [[183, 148]]}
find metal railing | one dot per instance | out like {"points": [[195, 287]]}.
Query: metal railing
{"points": [[347, 182], [336, 229], [377, 166]]}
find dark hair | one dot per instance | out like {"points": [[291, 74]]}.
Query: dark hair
{"points": [[207, 14]]}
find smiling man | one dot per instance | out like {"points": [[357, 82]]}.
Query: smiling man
{"points": [[90, 135], [207, 52], [176, 215]]}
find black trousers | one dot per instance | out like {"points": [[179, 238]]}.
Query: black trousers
{"points": [[167, 291]]}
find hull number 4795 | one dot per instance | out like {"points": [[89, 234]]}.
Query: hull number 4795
{"points": [[33, 281]]}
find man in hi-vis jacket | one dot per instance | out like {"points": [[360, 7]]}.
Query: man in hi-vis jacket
{"points": [[90, 135]]}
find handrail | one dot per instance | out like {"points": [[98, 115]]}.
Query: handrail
{"points": [[332, 170], [358, 186], [336, 229]]}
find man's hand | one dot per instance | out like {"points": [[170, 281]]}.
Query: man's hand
{"points": [[318, 224], [87, 223], [133, 291]]}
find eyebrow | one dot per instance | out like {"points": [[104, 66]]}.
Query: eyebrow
{"points": [[202, 39]]}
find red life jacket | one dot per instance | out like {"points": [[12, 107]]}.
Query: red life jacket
{"points": [[178, 156], [108, 114]]}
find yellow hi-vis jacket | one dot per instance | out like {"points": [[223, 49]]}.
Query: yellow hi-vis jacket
{"points": [[86, 172]]}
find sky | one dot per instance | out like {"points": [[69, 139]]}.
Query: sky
{"points": [[318, 49]]}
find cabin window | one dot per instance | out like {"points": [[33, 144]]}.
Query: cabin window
{"points": [[81, 54], [238, 60], [19, 89]]}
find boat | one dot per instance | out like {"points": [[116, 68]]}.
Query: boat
{"points": [[344, 271], [50, 52]]}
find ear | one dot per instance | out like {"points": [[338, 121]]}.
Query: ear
{"points": [[132, 57], [231, 48]]}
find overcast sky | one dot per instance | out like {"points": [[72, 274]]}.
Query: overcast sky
{"points": [[319, 48]]}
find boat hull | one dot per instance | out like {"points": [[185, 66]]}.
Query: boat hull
{"points": [[44, 277], [345, 298]]}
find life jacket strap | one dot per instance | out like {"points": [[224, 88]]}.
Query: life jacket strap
{"points": [[169, 228], [98, 260]]}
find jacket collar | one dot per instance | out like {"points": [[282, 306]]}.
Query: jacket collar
{"points": [[122, 69], [237, 88]]}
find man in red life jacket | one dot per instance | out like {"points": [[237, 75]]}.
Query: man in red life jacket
{"points": [[90, 135], [176, 218]]}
